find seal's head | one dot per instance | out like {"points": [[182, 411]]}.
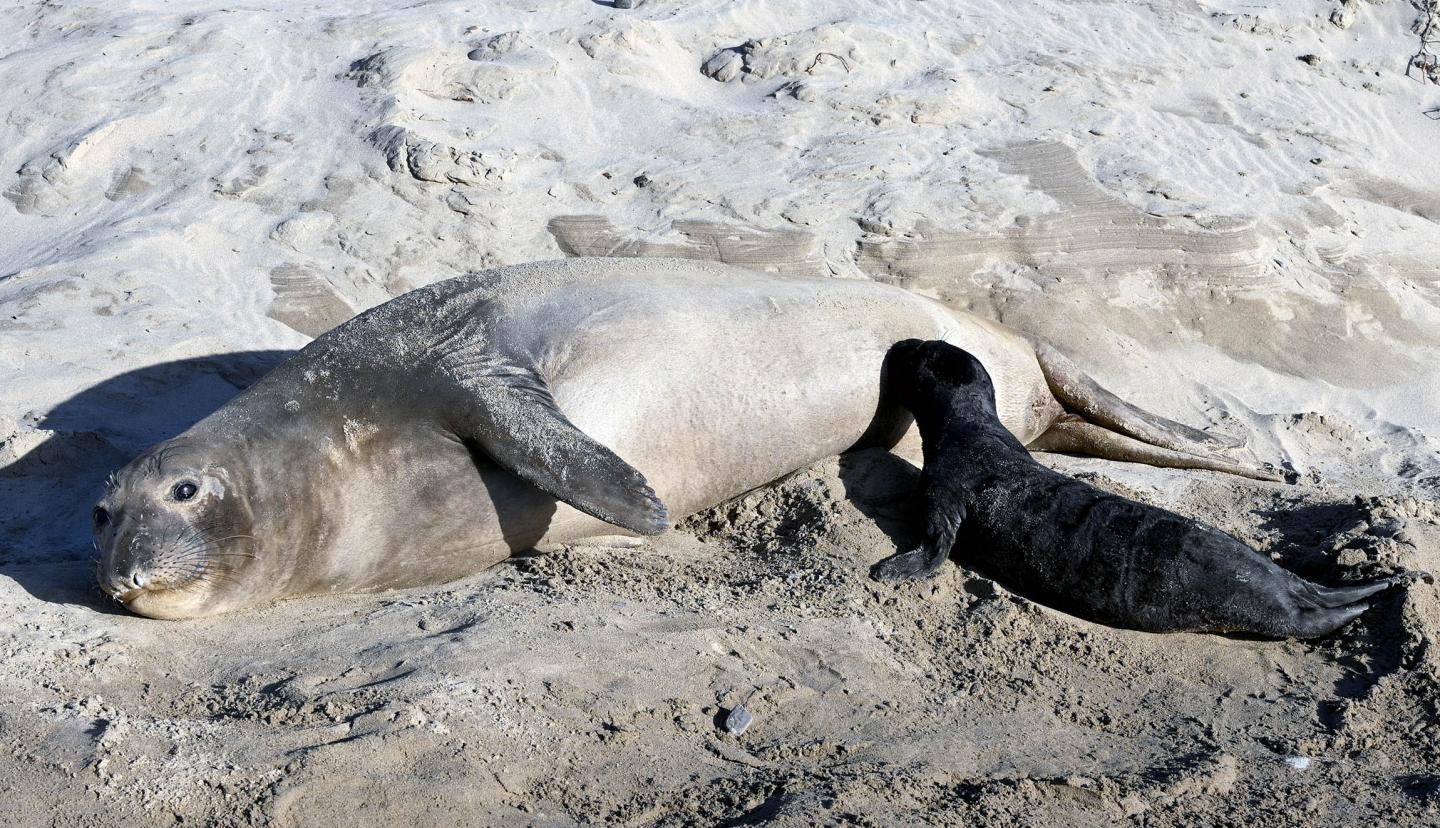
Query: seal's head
{"points": [[174, 532], [918, 371]]}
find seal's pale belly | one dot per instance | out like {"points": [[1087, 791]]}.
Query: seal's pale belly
{"points": [[735, 385], [708, 389]]}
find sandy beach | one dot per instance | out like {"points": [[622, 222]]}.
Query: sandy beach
{"points": [[1227, 213]]}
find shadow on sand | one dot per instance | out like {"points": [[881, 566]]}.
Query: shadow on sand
{"points": [[46, 493], [885, 488]]}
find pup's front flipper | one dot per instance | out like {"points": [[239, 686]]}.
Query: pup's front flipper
{"points": [[944, 514]]}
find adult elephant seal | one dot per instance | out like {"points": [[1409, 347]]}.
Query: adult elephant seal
{"points": [[434, 435], [1097, 554]]}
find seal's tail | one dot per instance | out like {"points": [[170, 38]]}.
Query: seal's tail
{"points": [[1106, 426]]}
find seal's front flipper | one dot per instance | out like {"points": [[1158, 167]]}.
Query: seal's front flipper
{"points": [[944, 514], [518, 424]]}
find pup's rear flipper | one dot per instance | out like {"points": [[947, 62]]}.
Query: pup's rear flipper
{"points": [[1318, 623], [1332, 597], [1317, 610]]}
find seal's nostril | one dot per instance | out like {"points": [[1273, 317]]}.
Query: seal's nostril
{"points": [[137, 578]]}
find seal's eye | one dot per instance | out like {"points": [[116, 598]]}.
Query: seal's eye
{"points": [[185, 490], [101, 516]]}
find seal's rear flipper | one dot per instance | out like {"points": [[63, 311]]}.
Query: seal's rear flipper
{"points": [[518, 424], [944, 514], [1076, 436], [1319, 623], [1086, 397]]}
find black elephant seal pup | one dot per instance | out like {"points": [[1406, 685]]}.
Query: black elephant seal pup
{"points": [[1071, 545]]}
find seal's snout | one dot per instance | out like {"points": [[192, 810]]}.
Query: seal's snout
{"points": [[155, 577], [907, 349], [123, 574], [120, 585], [150, 555]]}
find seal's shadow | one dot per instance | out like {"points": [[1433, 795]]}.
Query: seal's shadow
{"points": [[1310, 536], [886, 489], [64, 455], [1307, 534]]}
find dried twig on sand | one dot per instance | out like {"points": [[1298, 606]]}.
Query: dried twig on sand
{"points": [[1425, 63], [818, 56]]}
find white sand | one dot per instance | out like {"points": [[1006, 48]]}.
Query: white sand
{"points": [[1215, 228]]}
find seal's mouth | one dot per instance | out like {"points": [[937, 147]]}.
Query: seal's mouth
{"points": [[128, 589], [120, 591], [163, 602], [138, 590]]}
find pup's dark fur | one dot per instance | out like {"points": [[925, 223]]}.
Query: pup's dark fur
{"points": [[1073, 546]]}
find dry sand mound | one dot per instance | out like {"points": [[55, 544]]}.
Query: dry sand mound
{"points": [[1227, 213]]}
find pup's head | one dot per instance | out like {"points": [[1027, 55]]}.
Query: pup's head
{"points": [[917, 372]]}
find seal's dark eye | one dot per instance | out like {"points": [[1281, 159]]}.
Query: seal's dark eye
{"points": [[101, 517], [185, 490]]}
